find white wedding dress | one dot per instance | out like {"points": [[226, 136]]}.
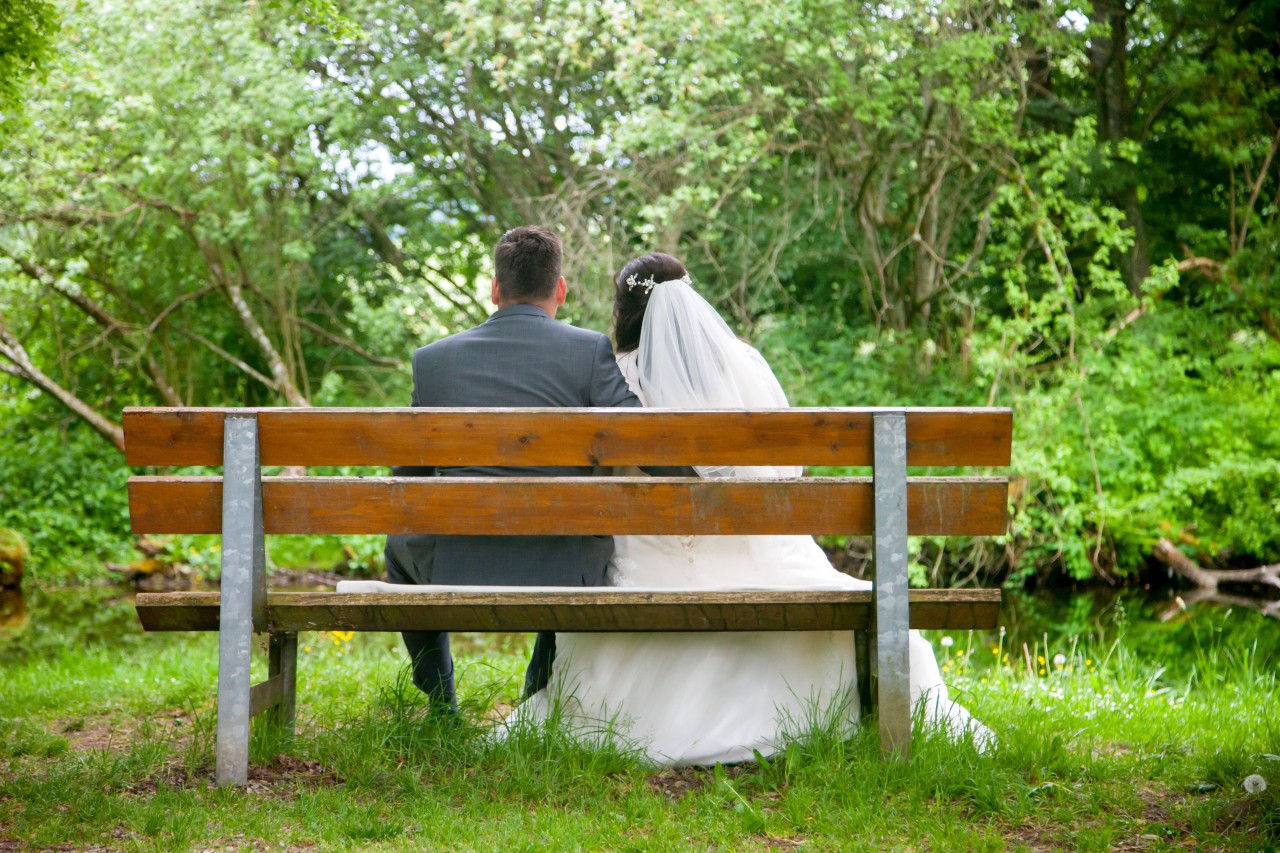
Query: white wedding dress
{"points": [[698, 699]]}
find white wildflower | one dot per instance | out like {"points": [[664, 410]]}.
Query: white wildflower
{"points": [[947, 642], [866, 348], [1254, 784]]}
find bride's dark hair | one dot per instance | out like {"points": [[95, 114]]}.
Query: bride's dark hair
{"points": [[630, 302]]}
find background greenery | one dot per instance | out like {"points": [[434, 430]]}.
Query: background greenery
{"points": [[1064, 207]]}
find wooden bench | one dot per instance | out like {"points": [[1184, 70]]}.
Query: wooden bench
{"points": [[243, 505]]}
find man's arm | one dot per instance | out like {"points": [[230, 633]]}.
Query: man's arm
{"points": [[609, 389], [414, 470]]}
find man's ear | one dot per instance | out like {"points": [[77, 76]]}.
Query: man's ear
{"points": [[561, 289], [493, 292]]}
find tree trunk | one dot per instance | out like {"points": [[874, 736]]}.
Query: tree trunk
{"points": [[1108, 55]]}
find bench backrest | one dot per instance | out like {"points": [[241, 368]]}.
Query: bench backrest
{"points": [[947, 505]]}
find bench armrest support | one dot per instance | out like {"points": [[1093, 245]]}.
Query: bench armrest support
{"points": [[892, 660], [244, 593]]}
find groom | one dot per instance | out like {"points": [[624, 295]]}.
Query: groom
{"points": [[519, 357]]}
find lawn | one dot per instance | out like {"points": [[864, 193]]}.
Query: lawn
{"points": [[106, 743]]}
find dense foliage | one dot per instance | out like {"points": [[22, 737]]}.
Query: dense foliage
{"points": [[1069, 208]]}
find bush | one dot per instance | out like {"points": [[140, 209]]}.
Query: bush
{"points": [[1166, 428], [64, 489]]}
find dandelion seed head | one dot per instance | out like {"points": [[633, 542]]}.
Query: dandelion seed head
{"points": [[1254, 784], [947, 642]]}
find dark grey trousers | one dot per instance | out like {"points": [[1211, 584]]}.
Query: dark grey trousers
{"points": [[433, 662]]}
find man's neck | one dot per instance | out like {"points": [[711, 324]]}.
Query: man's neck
{"points": [[549, 307]]}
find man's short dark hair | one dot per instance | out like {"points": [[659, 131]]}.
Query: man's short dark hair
{"points": [[526, 263]]}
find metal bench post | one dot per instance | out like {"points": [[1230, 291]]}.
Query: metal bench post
{"points": [[244, 592], [891, 613]]}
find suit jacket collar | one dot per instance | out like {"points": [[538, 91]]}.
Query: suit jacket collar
{"points": [[519, 309]]}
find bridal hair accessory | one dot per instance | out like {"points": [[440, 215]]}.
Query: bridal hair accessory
{"points": [[649, 284]]}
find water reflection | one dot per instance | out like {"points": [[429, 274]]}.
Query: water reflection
{"points": [[13, 609], [56, 619], [1164, 629]]}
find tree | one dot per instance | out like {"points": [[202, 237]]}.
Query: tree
{"points": [[27, 30], [184, 230], [853, 164]]}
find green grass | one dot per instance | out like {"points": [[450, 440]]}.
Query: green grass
{"points": [[111, 746]]}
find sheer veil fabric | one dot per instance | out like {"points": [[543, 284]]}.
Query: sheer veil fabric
{"points": [[689, 358], [698, 699]]}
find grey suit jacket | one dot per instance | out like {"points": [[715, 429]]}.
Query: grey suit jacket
{"points": [[519, 357]]}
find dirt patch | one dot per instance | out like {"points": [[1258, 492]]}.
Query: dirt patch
{"points": [[281, 778], [675, 783], [1238, 816], [1158, 806], [498, 712], [1156, 825], [285, 769], [1038, 837], [174, 727]]}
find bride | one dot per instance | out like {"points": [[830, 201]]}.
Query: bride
{"points": [[692, 699]]}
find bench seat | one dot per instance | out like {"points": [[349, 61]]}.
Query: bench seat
{"points": [[575, 609]]}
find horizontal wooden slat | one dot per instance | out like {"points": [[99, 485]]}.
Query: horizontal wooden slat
{"points": [[266, 694], [453, 437], [173, 436], [506, 506], [596, 610]]}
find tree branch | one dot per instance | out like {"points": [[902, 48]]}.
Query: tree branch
{"points": [[231, 359], [12, 350], [111, 324], [176, 304], [46, 278], [1257, 188], [345, 343], [390, 252]]}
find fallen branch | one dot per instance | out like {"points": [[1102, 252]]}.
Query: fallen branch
{"points": [[1182, 603], [1208, 579]]}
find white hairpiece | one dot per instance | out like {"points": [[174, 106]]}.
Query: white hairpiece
{"points": [[649, 284]]}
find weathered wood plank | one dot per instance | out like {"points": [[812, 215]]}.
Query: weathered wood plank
{"points": [[191, 436], [450, 437], [585, 611], [266, 694], [502, 506]]}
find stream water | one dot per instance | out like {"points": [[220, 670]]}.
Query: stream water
{"points": [[44, 622]]}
